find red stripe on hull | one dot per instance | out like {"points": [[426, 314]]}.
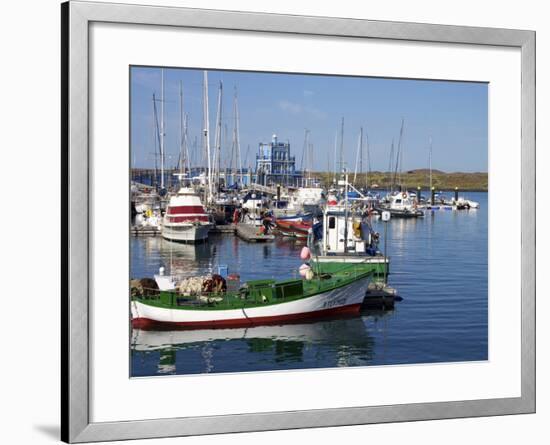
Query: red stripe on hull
{"points": [[176, 219], [184, 209], [147, 323]]}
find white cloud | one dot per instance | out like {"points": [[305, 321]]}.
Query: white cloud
{"points": [[290, 107], [308, 93], [295, 108]]}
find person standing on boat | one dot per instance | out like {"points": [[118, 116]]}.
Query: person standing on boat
{"points": [[266, 221]]}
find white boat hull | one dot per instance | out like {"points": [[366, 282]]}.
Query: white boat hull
{"points": [[345, 299], [188, 233], [352, 259]]}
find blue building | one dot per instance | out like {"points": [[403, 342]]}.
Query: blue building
{"points": [[274, 165]]}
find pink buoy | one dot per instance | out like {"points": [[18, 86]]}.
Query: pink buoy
{"points": [[303, 269], [305, 254]]}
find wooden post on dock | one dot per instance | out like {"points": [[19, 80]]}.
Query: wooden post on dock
{"points": [[456, 194], [418, 194], [433, 196]]}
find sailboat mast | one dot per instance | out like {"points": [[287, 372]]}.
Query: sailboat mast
{"points": [[342, 146], [186, 143], [182, 133], [207, 134], [361, 151], [162, 129], [390, 170], [237, 137], [346, 212], [399, 159], [218, 153], [430, 163], [335, 168], [304, 164], [156, 139], [310, 162], [359, 156], [368, 162]]}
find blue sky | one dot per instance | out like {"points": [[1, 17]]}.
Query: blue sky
{"points": [[453, 114]]}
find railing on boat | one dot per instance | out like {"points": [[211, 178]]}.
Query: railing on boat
{"points": [[258, 290]]}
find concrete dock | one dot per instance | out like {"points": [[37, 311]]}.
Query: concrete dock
{"points": [[144, 231], [225, 228], [252, 234]]}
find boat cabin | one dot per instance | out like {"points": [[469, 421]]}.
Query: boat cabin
{"points": [[401, 201], [341, 235]]}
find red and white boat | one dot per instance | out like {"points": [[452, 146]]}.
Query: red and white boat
{"points": [[298, 229], [186, 219], [257, 302]]}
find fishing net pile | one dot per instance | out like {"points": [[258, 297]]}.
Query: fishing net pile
{"points": [[202, 284], [143, 286]]}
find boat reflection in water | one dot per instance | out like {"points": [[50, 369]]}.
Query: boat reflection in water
{"points": [[177, 258], [338, 342]]}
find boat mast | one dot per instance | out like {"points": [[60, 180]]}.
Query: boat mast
{"points": [[399, 158], [368, 162], [359, 156], [186, 143], [342, 146], [207, 134], [182, 157], [430, 163], [335, 166], [361, 151], [246, 155], [345, 212], [310, 162], [390, 169], [305, 159], [218, 152], [156, 138], [236, 138], [162, 129]]}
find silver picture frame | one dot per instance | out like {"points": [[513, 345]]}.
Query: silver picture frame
{"points": [[76, 18]]}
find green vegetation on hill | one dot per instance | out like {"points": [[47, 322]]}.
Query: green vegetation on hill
{"points": [[412, 179]]}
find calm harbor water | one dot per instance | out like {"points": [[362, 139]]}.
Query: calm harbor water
{"points": [[438, 266]]}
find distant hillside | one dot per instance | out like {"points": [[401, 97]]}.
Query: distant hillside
{"points": [[477, 181]]}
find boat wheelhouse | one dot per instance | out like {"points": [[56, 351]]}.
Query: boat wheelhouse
{"points": [[402, 205], [252, 206], [310, 199], [347, 238]]}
